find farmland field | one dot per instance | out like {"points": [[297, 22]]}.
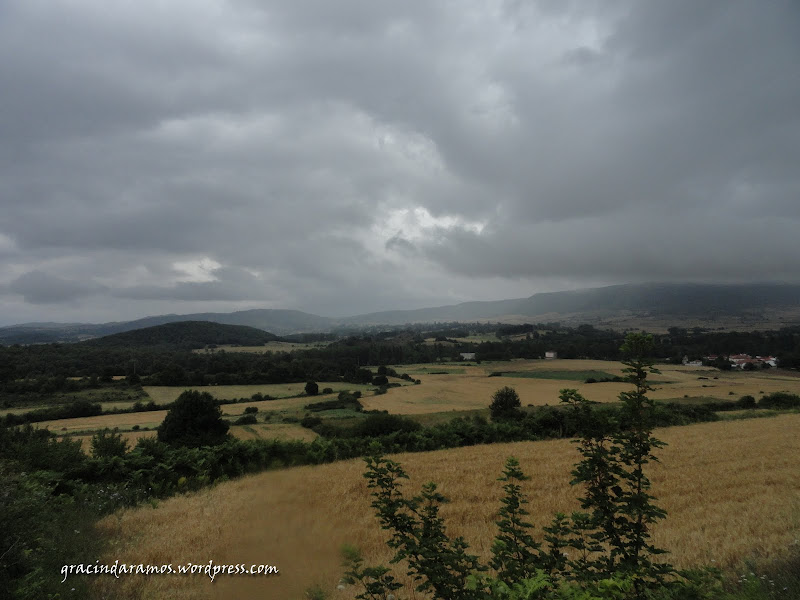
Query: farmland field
{"points": [[732, 491], [278, 431], [466, 387], [165, 394], [538, 383]]}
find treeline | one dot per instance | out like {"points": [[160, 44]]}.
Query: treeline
{"points": [[346, 359]]}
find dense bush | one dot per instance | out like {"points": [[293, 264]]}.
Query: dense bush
{"points": [[248, 419], [780, 400], [108, 443], [382, 424], [194, 420]]}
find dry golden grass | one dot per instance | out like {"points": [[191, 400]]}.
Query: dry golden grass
{"points": [[165, 394], [262, 431], [732, 490], [273, 431], [122, 421]]}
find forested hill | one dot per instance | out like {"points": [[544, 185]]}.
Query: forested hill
{"points": [[185, 335]]}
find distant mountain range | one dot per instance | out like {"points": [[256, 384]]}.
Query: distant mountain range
{"points": [[649, 306]]}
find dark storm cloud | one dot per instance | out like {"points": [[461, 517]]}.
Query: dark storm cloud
{"points": [[347, 157]]}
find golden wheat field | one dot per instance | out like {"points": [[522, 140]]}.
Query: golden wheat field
{"points": [[165, 394], [126, 421], [732, 490], [263, 431]]}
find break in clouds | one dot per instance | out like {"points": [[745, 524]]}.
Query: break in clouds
{"points": [[345, 157]]}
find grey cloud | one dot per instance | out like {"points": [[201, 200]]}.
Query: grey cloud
{"points": [[399, 244], [625, 141], [634, 246], [41, 288]]}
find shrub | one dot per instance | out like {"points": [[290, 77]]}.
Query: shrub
{"points": [[246, 420], [194, 420], [251, 410], [108, 443], [312, 389], [310, 422], [746, 402], [378, 424], [780, 400]]}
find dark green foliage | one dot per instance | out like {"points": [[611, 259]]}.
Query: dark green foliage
{"points": [[515, 554], [505, 404], [376, 581], [251, 410], [77, 409], [249, 419], [40, 532], [346, 400], [194, 420], [779, 400], [746, 402], [440, 565], [312, 389], [383, 424], [380, 380], [108, 443], [621, 511], [310, 422], [185, 335]]}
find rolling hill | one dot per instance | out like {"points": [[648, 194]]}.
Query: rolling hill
{"points": [[185, 335], [653, 306]]}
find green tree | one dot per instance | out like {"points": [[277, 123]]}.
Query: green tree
{"points": [[312, 389], [614, 534], [505, 403], [515, 554], [194, 420]]}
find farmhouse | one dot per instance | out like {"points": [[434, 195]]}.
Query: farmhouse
{"points": [[550, 355], [467, 356], [741, 361]]}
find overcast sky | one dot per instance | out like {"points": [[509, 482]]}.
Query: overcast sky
{"points": [[342, 157]]}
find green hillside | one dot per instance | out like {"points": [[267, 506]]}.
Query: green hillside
{"points": [[185, 335]]}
